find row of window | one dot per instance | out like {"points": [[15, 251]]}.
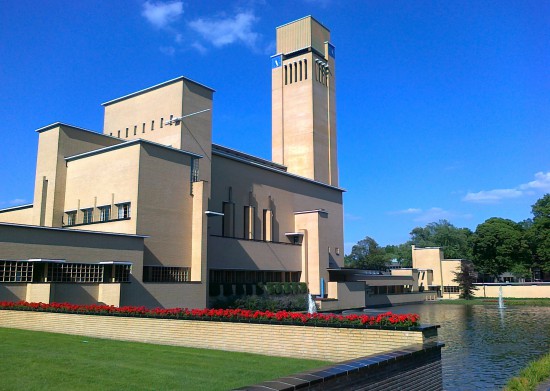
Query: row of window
{"points": [[390, 289], [127, 133], [166, 274], [321, 72], [87, 214], [249, 216], [25, 271], [251, 276], [295, 71], [451, 289]]}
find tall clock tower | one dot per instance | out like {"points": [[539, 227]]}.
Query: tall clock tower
{"points": [[304, 101]]}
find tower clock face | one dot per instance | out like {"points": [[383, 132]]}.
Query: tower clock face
{"points": [[276, 61]]}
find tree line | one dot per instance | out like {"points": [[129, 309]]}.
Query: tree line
{"points": [[497, 245]]}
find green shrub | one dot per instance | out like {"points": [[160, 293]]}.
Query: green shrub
{"points": [[214, 289], [287, 288], [303, 287], [260, 289]]}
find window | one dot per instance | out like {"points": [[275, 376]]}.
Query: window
{"points": [[268, 225], [451, 289], [194, 170], [16, 271], [165, 274], [152, 125], [105, 213], [161, 122], [87, 216], [71, 217], [143, 128], [126, 132], [249, 216], [118, 134], [228, 228], [135, 130], [124, 210], [75, 272]]}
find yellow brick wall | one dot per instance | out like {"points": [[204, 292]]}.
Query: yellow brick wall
{"points": [[323, 343]]}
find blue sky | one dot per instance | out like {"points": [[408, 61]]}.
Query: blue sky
{"points": [[443, 106]]}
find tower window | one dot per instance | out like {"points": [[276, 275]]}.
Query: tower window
{"points": [[161, 122], [286, 75], [295, 72], [126, 132], [135, 130], [300, 70], [143, 128], [153, 125], [305, 69], [118, 134], [290, 73]]}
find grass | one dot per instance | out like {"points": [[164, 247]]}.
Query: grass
{"points": [[45, 361], [531, 376], [494, 300]]}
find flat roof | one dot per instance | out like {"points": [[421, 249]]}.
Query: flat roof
{"points": [[258, 162], [305, 17], [57, 124], [128, 144], [73, 230], [12, 208], [163, 84]]}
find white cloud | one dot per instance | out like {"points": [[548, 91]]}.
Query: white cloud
{"points": [[161, 14], [540, 184], [224, 31], [199, 47], [433, 214], [406, 211]]}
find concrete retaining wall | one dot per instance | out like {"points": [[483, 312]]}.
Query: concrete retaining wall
{"points": [[323, 343]]}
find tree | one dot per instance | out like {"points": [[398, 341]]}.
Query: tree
{"points": [[402, 253], [498, 245], [538, 233], [466, 278], [454, 241], [367, 254]]}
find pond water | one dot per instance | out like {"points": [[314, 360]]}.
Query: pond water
{"points": [[484, 345]]}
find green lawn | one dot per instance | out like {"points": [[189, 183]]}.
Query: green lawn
{"points": [[32, 360]]}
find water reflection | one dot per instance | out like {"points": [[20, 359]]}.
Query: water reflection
{"points": [[485, 345]]}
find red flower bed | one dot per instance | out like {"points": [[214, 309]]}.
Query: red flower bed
{"points": [[361, 321]]}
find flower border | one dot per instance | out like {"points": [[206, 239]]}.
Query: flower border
{"points": [[385, 320]]}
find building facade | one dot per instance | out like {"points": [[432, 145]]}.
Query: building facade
{"points": [[150, 211]]}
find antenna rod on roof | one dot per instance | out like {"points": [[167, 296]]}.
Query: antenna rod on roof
{"points": [[178, 119]]}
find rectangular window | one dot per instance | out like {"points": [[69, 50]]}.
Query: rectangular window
{"points": [[126, 132], [194, 170], [161, 122], [105, 213], [87, 216], [124, 210], [118, 134], [165, 274], [249, 215], [71, 217], [451, 289], [228, 228], [135, 130], [75, 272], [268, 225], [16, 271], [143, 128], [152, 125]]}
